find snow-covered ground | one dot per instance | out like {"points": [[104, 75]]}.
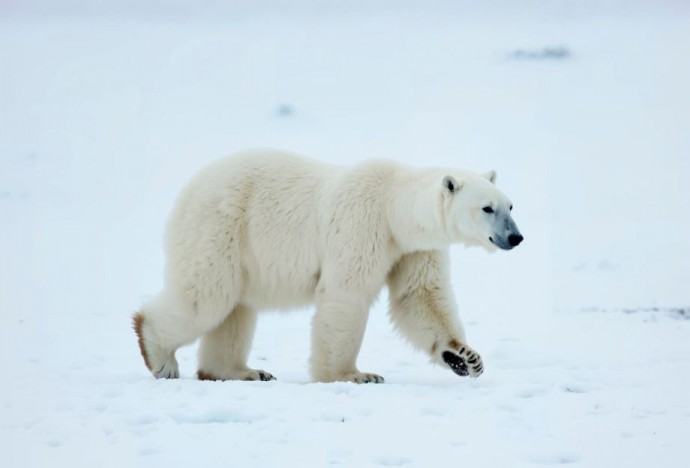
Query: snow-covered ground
{"points": [[583, 108]]}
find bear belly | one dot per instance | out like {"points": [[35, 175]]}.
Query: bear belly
{"points": [[280, 287]]}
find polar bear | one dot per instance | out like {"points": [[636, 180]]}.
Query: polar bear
{"points": [[265, 229]]}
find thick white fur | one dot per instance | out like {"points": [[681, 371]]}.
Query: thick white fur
{"points": [[270, 230]]}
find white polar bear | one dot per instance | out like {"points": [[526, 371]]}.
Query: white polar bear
{"points": [[271, 230]]}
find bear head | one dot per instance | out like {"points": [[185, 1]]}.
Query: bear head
{"points": [[477, 213]]}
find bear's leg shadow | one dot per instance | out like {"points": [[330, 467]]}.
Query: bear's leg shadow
{"points": [[337, 333], [224, 350]]}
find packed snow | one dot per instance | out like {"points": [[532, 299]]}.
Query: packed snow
{"points": [[583, 108]]}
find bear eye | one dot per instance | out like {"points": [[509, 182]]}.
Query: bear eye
{"points": [[487, 209], [511, 207]]}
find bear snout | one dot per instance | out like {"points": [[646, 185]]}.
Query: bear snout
{"points": [[515, 239]]}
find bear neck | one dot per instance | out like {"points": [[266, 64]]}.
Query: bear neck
{"points": [[418, 214]]}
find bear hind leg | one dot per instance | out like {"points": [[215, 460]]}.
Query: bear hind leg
{"points": [[160, 361], [224, 351], [167, 323]]}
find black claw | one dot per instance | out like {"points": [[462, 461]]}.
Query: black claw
{"points": [[456, 363], [473, 360]]}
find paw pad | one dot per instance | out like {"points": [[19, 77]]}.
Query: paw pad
{"points": [[464, 362], [456, 363], [265, 376]]}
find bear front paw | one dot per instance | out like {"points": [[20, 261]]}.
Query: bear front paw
{"points": [[361, 378], [464, 361]]}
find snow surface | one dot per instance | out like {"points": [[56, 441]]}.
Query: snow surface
{"points": [[583, 108]]}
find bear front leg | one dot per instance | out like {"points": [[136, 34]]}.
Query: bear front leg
{"points": [[337, 333], [423, 309]]}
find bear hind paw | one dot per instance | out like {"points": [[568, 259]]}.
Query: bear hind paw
{"points": [[162, 363], [169, 369], [247, 375]]}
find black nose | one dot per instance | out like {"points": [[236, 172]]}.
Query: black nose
{"points": [[515, 239]]}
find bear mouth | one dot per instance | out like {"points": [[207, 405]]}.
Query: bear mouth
{"points": [[500, 243]]}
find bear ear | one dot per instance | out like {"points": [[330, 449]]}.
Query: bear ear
{"points": [[450, 184], [491, 176]]}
